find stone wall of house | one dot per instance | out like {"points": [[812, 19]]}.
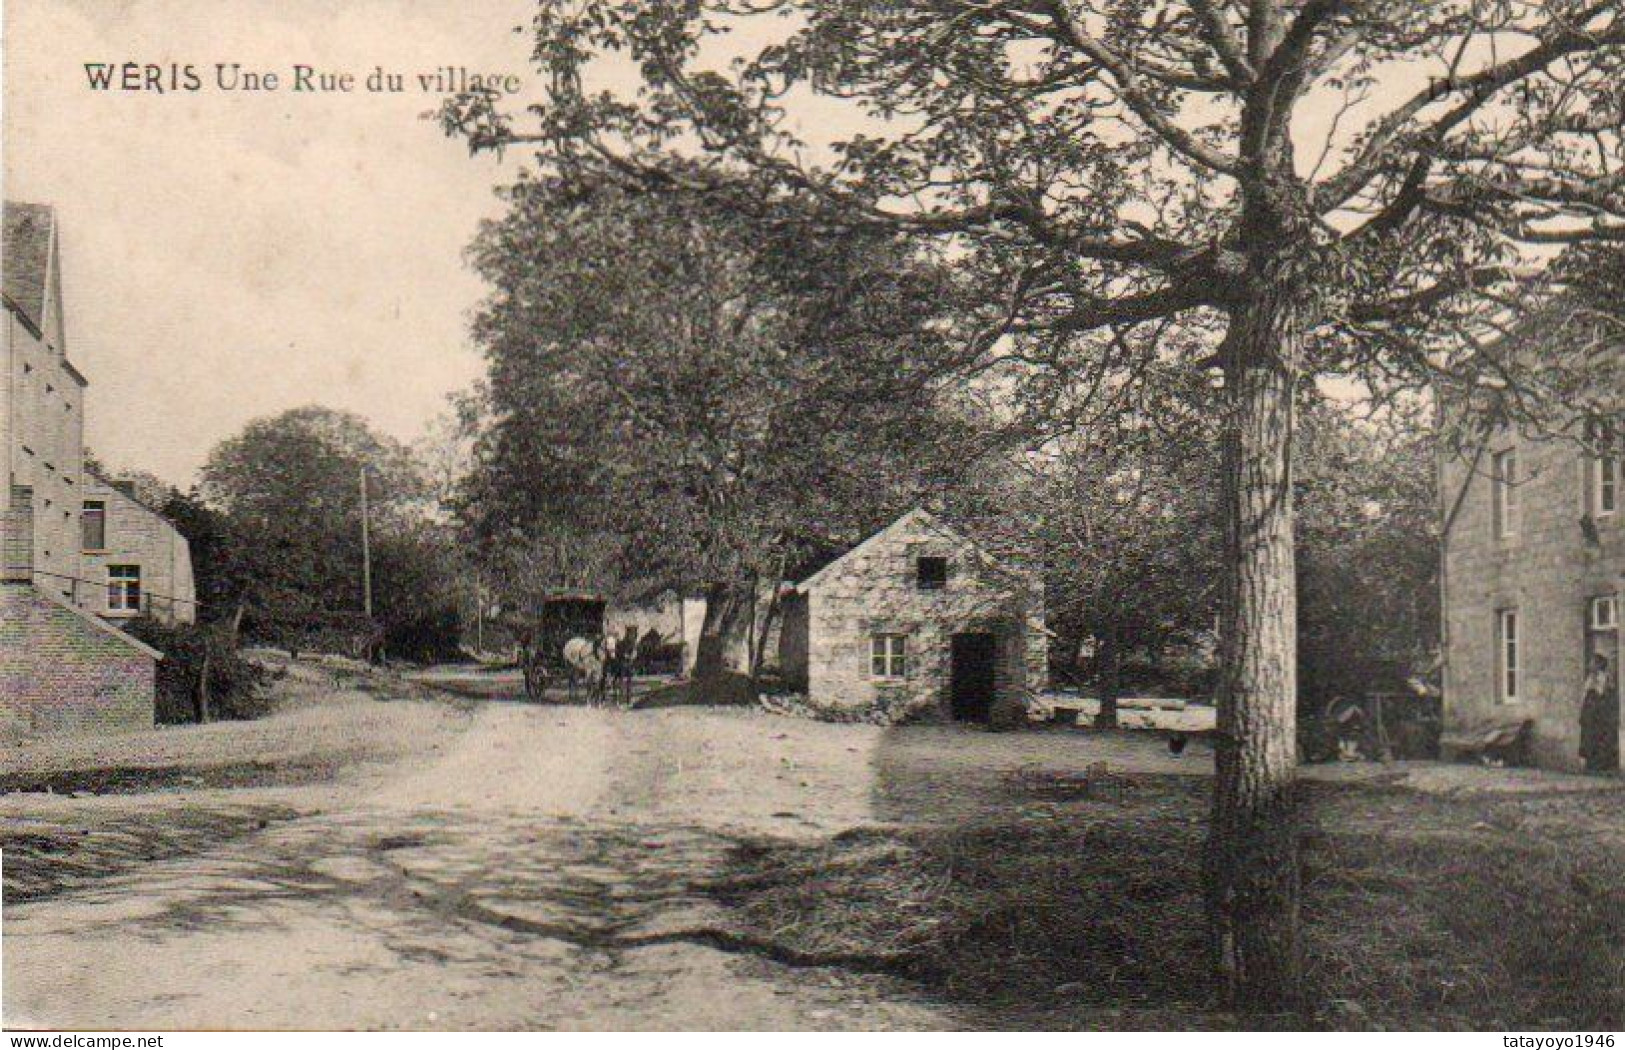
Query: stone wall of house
{"points": [[875, 591], [138, 535], [44, 424], [1559, 558], [62, 671]]}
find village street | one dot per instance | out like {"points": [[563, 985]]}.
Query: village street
{"points": [[410, 860], [517, 867]]}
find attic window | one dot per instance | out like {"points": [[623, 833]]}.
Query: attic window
{"points": [[931, 574]]}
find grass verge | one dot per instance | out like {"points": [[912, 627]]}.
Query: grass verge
{"points": [[1085, 911]]}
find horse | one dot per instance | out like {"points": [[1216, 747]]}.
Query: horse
{"points": [[620, 663], [602, 663], [584, 661]]}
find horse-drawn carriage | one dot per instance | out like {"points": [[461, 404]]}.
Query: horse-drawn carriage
{"points": [[562, 636]]}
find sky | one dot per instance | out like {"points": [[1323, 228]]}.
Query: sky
{"points": [[226, 256]]}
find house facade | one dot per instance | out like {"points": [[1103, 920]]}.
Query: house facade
{"points": [[141, 561], [918, 621], [62, 668], [43, 418], [1534, 580]]}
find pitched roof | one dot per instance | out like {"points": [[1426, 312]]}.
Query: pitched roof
{"points": [[27, 258], [919, 515], [90, 619], [126, 489]]}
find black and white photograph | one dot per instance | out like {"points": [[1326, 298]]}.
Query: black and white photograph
{"points": [[874, 516]]}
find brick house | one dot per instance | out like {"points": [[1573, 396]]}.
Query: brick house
{"points": [[1534, 578], [62, 669], [145, 561], [918, 620]]}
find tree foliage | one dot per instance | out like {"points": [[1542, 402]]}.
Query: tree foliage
{"points": [[1130, 526], [288, 489], [682, 396], [1146, 192], [1368, 566]]}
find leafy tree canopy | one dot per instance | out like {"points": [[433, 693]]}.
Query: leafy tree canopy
{"points": [[684, 395]]}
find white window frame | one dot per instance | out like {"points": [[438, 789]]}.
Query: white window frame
{"points": [[888, 657], [120, 598], [1605, 485], [1508, 656], [1504, 494], [1604, 613]]}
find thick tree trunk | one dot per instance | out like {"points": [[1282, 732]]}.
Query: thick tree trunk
{"points": [[202, 698], [1252, 872], [722, 661], [763, 630], [1110, 684]]}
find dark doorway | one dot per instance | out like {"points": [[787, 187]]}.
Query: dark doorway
{"points": [[971, 675], [1600, 707]]}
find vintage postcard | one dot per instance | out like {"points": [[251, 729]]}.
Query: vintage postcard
{"points": [[811, 515]]}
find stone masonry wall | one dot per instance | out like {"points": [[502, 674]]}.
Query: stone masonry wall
{"points": [[45, 451], [1548, 571], [63, 673], [874, 591], [137, 535]]}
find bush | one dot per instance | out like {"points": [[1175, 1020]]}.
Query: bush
{"points": [[428, 637], [236, 686]]}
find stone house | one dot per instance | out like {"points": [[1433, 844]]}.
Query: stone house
{"points": [[1533, 580], [43, 416], [62, 669], [920, 621], [144, 560]]}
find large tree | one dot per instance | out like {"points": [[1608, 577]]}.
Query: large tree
{"points": [[1346, 187], [289, 490], [683, 395]]}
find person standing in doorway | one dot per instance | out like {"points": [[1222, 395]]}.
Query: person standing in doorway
{"points": [[1599, 719]]}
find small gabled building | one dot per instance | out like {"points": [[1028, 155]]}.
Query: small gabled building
{"points": [[919, 621]]}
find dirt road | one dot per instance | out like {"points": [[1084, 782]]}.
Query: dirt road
{"points": [[422, 863], [543, 868]]}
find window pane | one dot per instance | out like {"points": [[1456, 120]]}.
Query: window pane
{"points": [[94, 520], [124, 588], [1509, 654], [887, 655]]}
